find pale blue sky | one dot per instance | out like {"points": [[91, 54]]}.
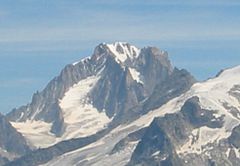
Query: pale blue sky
{"points": [[39, 37]]}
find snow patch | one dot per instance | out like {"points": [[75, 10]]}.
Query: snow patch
{"points": [[123, 51], [37, 132], [201, 137], [81, 118], [100, 149], [237, 152], [211, 94], [155, 153], [82, 60], [135, 75]]}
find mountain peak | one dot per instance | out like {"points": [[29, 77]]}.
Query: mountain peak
{"points": [[123, 51], [100, 89]]}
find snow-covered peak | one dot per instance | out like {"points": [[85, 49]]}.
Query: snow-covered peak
{"points": [[82, 60], [231, 72], [123, 51], [222, 83]]}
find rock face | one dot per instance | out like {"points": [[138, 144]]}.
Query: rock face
{"points": [[12, 143], [199, 127], [129, 106], [205, 130], [118, 83], [160, 143]]}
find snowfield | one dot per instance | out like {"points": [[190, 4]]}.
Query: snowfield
{"points": [[80, 117], [212, 94]]}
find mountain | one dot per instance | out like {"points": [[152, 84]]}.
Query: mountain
{"points": [[111, 87], [204, 131], [130, 106], [12, 143], [199, 127]]}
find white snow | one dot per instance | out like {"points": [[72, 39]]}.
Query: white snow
{"points": [[79, 115], [127, 52], [21, 115], [228, 152], [237, 152], [75, 63], [82, 60], [135, 75], [155, 153], [212, 94], [99, 150], [85, 123], [209, 97], [201, 137], [36, 132]]}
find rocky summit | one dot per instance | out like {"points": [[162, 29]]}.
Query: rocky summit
{"points": [[128, 106]]}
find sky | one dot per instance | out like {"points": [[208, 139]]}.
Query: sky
{"points": [[39, 37]]}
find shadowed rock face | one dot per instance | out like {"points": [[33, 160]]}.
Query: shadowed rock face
{"points": [[11, 142], [201, 128], [200, 117], [234, 139], [166, 134], [125, 90], [179, 82], [155, 148], [41, 156], [117, 92]]}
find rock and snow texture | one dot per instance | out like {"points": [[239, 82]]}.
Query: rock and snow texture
{"points": [[95, 91], [202, 131], [123, 51], [37, 133], [193, 129], [101, 151], [80, 117], [215, 95], [169, 121], [136, 75], [12, 143]]}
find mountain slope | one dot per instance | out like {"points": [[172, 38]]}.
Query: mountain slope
{"points": [[200, 127], [99, 92], [129, 106], [12, 143], [204, 132]]}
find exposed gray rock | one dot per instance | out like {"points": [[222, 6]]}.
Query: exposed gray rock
{"points": [[124, 98], [178, 82], [234, 139], [166, 134], [132, 137], [117, 92], [235, 92], [155, 149], [12, 143], [41, 156]]}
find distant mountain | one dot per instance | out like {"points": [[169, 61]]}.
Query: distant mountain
{"points": [[199, 127], [12, 143], [130, 106], [111, 87]]}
